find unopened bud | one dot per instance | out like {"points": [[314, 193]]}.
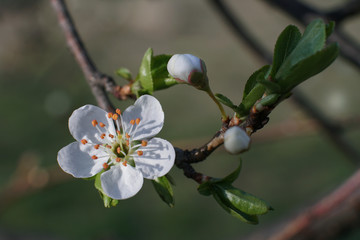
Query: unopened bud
{"points": [[236, 140], [189, 69]]}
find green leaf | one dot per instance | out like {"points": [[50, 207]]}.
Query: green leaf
{"points": [[144, 75], [232, 176], [269, 100], [251, 219], [309, 67], [237, 199], [124, 73], [164, 189], [252, 81], [271, 87], [205, 188], [330, 28], [285, 44], [312, 41], [159, 73], [226, 101]]}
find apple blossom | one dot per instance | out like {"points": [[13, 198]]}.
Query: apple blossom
{"points": [[236, 140], [120, 145]]}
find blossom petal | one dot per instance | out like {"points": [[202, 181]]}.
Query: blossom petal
{"points": [[76, 160], [148, 109], [121, 182], [80, 124], [157, 159]]}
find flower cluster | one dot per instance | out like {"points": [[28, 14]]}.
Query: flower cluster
{"points": [[119, 146]]}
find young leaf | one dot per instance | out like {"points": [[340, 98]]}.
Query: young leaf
{"points": [[124, 73], [251, 219], [232, 176], [164, 189], [252, 81], [271, 87], [205, 188], [159, 73], [312, 41], [309, 67], [285, 43], [240, 200], [269, 100], [330, 28], [224, 100], [144, 75]]}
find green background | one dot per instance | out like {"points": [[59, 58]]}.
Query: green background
{"points": [[41, 84]]}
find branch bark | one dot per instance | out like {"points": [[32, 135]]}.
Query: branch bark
{"points": [[99, 82]]}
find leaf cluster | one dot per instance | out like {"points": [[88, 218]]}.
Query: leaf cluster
{"points": [[297, 57]]}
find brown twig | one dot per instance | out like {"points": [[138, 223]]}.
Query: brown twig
{"points": [[99, 82]]}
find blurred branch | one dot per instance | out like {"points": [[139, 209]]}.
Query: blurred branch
{"points": [[304, 13], [335, 215], [99, 82], [332, 130]]}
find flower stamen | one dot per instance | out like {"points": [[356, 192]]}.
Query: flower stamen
{"points": [[118, 159], [140, 153], [118, 111], [102, 136], [97, 146], [105, 166], [84, 141], [124, 163], [94, 122], [110, 114], [143, 143], [94, 157], [101, 124]]}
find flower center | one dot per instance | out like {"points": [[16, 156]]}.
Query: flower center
{"points": [[118, 147]]}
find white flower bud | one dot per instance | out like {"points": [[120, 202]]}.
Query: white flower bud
{"points": [[189, 69], [236, 140]]}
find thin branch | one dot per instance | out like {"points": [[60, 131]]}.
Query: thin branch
{"points": [[99, 82], [332, 130]]}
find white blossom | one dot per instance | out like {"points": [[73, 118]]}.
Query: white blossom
{"points": [[121, 144]]}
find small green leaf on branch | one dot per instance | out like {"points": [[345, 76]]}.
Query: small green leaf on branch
{"points": [[164, 189]]}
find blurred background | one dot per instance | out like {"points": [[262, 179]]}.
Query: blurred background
{"points": [[291, 163]]}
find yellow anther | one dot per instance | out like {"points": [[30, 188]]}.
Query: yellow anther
{"points": [[118, 150], [124, 163], [110, 114], [94, 157], [137, 121], [118, 159], [84, 141], [118, 111], [115, 117], [94, 122], [101, 124], [97, 146], [102, 136], [132, 122], [140, 153], [143, 143], [105, 166], [110, 135]]}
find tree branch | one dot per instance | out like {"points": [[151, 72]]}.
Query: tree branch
{"points": [[99, 82], [332, 130]]}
